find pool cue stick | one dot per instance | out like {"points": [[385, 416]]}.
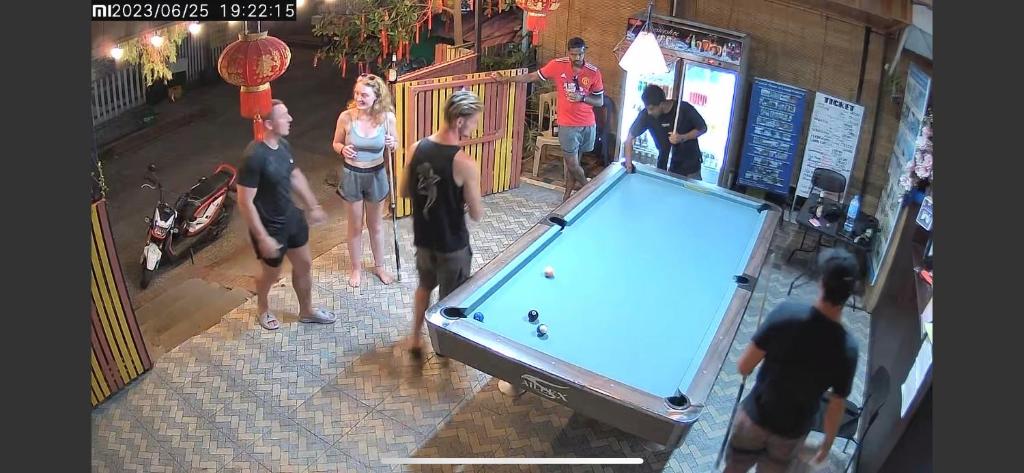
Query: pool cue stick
{"points": [[394, 219], [743, 384], [675, 123]]}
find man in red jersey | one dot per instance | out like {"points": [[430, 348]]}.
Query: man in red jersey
{"points": [[580, 89]]}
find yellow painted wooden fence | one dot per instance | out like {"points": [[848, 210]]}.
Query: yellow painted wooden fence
{"points": [[496, 146], [447, 53], [119, 354]]}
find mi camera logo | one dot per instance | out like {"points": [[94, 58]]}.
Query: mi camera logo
{"points": [[100, 11]]}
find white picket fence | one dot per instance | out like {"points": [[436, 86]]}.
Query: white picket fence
{"points": [[116, 93], [124, 89]]}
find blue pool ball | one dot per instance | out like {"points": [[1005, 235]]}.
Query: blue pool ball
{"points": [[479, 316], [542, 330], [532, 315]]}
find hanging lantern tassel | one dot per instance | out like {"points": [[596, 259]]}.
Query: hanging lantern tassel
{"points": [[257, 128], [535, 22], [536, 14], [256, 103]]}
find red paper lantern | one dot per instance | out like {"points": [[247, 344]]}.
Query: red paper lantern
{"points": [[251, 63], [536, 14]]}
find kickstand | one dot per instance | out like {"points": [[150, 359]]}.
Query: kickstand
{"points": [[192, 256]]}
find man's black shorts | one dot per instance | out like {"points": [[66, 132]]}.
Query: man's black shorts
{"points": [[295, 234]]}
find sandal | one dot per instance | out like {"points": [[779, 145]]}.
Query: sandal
{"points": [[319, 316], [268, 321]]}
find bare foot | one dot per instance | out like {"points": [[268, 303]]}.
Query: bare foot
{"points": [[383, 274], [355, 277]]}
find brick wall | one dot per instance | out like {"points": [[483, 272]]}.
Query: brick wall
{"points": [[790, 44]]}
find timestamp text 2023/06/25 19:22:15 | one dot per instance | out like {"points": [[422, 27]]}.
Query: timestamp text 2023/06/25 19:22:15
{"points": [[215, 10]]}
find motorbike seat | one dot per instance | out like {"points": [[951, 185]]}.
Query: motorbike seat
{"points": [[210, 186]]}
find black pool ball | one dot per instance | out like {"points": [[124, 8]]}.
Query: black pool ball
{"points": [[533, 315]]}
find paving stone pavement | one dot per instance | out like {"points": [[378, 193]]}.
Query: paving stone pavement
{"points": [[318, 398]]}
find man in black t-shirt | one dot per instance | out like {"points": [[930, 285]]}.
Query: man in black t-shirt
{"points": [[805, 352], [276, 226], [680, 143], [443, 183]]}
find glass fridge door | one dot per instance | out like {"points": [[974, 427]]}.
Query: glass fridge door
{"points": [[644, 150], [710, 90]]}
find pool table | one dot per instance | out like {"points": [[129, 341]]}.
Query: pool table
{"points": [[651, 276]]}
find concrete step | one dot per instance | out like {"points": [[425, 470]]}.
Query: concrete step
{"points": [[184, 311]]}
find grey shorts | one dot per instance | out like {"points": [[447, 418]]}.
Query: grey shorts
{"points": [[577, 139], [370, 184], [448, 270], [750, 445]]}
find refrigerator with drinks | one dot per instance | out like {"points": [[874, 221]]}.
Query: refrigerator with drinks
{"points": [[708, 69]]}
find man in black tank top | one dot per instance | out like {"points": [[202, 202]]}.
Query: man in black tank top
{"points": [[442, 181]]}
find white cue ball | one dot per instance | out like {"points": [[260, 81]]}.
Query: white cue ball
{"points": [[542, 329], [549, 272]]}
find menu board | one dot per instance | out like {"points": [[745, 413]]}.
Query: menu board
{"points": [[831, 140], [774, 123]]}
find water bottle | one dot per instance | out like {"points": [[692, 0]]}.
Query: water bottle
{"points": [[851, 214]]}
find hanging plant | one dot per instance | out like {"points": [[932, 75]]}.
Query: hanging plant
{"points": [[155, 60], [99, 183], [370, 37]]}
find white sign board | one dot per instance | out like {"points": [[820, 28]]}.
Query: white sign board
{"points": [[831, 140]]}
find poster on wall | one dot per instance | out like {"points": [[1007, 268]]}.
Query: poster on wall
{"points": [[774, 123], [688, 40], [831, 140], [915, 104]]}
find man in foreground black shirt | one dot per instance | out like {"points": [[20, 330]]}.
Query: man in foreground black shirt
{"points": [[805, 351], [680, 143], [276, 226]]}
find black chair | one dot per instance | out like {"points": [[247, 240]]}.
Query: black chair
{"points": [[605, 141], [878, 388], [823, 180]]}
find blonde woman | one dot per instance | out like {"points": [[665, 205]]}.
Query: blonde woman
{"points": [[362, 133]]}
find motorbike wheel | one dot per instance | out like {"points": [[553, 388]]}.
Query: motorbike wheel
{"points": [[147, 276]]}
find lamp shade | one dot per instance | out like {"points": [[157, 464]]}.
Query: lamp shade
{"points": [[644, 56]]}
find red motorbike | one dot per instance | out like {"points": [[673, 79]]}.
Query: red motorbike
{"points": [[196, 218]]}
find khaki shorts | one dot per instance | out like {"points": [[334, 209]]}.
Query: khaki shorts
{"points": [[750, 445], [448, 270]]}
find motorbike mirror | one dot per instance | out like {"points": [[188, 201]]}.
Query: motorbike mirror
{"points": [[152, 167]]}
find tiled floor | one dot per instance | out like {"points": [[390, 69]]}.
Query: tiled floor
{"points": [[342, 397]]}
